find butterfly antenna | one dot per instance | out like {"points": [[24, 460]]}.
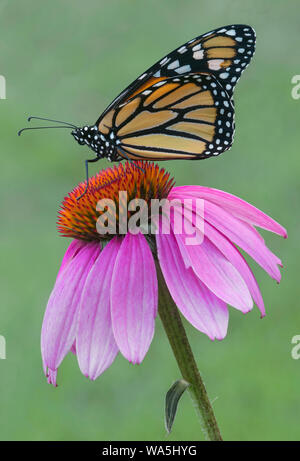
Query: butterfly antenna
{"points": [[40, 128], [50, 120]]}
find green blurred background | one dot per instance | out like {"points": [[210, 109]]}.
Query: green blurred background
{"points": [[67, 60]]}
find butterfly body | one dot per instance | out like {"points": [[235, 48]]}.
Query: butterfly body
{"points": [[180, 108], [179, 117], [104, 146]]}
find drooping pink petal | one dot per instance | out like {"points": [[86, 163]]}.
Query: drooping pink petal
{"points": [[59, 324], [234, 205], [95, 343], [134, 297], [243, 235], [197, 303], [216, 272], [235, 257], [227, 248], [74, 247], [51, 377], [73, 348]]}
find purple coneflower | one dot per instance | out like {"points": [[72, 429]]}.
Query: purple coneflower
{"points": [[105, 297]]}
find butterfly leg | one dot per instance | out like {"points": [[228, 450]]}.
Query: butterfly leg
{"points": [[130, 160], [87, 174]]}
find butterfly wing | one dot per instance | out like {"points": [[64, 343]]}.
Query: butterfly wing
{"points": [[224, 53], [182, 117]]}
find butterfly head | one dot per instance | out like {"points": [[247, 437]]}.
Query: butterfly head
{"points": [[88, 135]]}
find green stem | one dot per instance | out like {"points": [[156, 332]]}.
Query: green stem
{"points": [[175, 331]]}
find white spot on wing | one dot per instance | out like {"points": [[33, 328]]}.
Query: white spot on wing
{"points": [[198, 54], [183, 69], [197, 47], [173, 64], [182, 50], [164, 61], [215, 64], [224, 75], [231, 32]]}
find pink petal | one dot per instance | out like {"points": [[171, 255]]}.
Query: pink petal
{"points": [[234, 205], [228, 250], [51, 377], [216, 272], [73, 348], [197, 303], [74, 247], [238, 261], [96, 346], [134, 297], [245, 237], [59, 324]]}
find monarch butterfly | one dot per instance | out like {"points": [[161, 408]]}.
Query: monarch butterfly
{"points": [[180, 108]]}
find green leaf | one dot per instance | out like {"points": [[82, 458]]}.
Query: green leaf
{"points": [[172, 399]]}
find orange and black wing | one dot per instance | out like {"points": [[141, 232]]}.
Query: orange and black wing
{"points": [[224, 53], [184, 117]]}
